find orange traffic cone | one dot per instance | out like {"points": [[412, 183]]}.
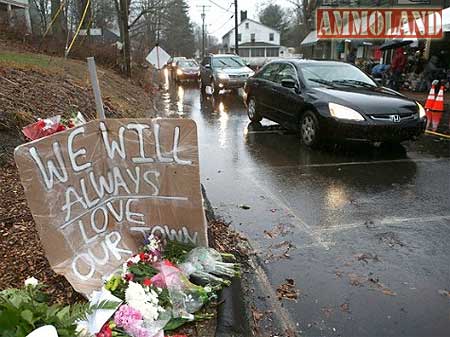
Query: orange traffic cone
{"points": [[429, 104], [437, 110]]}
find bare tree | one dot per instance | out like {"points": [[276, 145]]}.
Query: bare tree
{"points": [[42, 7], [59, 24]]}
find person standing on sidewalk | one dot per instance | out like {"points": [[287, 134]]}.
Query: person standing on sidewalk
{"points": [[397, 67]]}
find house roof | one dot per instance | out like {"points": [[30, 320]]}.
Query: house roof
{"points": [[258, 44], [254, 21]]}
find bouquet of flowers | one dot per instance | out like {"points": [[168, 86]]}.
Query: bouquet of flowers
{"points": [[48, 126], [27, 309], [156, 291]]}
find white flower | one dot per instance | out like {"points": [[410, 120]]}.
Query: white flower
{"points": [[146, 302], [31, 281], [153, 243], [135, 293], [135, 259], [149, 311]]}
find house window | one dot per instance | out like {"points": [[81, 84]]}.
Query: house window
{"points": [[271, 37], [246, 25], [239, 37], [252, 37], [244, 52], [272, 52], [257, 52]]}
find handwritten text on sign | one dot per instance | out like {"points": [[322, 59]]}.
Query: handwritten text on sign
{"points": [[95, 191]]}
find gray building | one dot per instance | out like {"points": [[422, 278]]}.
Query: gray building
{"points": [[15, 12]]}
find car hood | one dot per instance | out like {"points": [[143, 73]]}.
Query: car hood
{"points": [[235, 71], [377, 101], [190, 69]]}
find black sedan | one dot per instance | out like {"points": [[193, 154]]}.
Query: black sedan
{"points": [[331, 100]]}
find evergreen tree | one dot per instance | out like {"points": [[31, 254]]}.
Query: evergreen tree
{"points": [[178, 39], [275, 17]]}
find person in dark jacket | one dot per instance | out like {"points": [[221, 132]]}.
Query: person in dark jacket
{"points": [[397, 67], [351, 57]]}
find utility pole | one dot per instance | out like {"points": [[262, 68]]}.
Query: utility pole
{"points": [[203, 31], [236, 24], [203, 15]]}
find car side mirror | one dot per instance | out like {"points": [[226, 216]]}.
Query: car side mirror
{"points": [[289, 83]]}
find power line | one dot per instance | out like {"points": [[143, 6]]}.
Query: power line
{"points": [[220, 6], [223, 25]]}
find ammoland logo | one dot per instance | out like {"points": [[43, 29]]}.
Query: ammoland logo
{"points": [[379, 23]]}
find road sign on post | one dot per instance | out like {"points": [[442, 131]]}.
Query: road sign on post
{"points": [[158, 57], [96, 190]]}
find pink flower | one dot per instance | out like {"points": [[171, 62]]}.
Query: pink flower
{"points": [[127, 317]]}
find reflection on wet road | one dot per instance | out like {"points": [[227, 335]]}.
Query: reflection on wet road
{"points": [[367, 228]]}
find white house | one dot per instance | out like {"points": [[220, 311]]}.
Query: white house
{"points": [[257, 42], [15, 11]]}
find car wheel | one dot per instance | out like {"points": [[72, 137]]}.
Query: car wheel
{"points": [[252, 110], [309, 129]]}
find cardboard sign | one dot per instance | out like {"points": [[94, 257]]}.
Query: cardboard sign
{"points": [[97, 190]]}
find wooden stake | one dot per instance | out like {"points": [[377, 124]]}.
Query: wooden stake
{"points": [[96, 88]]}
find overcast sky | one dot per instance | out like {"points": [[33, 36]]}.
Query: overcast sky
{"points": [[218, 19]]}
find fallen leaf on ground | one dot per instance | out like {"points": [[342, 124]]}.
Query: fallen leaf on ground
{"points": [[345, 307], [365, 257], [355, 279], [327, 311], [280, 229], [287, 290], [444, 292]]}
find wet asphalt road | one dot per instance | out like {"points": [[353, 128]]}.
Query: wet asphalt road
{"points": [[364, 232]]}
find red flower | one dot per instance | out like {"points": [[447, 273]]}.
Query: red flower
{"points": [[129, 264], [40, 123], [105, 331], [168, 263], [60, 128], [143, 256], [71, 124], [129, 277], [147, 282]]}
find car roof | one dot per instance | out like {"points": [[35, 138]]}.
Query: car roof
{"points": [[298, 61], [222, 55]]}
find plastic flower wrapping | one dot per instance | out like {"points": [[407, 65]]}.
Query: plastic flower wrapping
{"points": [[161, 288]]}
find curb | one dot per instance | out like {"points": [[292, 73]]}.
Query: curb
{"points": [[253, 290]]}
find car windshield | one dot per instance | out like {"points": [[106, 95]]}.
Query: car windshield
{"points": [[187, 64], [335, 74], [227, 62]]}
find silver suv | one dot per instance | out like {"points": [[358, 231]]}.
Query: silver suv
{"points": [[224, 71]]}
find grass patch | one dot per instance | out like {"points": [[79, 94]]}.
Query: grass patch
{"points": [[29, 60]]}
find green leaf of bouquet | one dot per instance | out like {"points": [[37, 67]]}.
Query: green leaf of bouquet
{"points": [[27, 316], [175, 323]]}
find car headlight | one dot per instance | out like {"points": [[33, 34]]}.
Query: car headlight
{"points": [[179, 72], [343, 112], [223, 76], [422, 112]]}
